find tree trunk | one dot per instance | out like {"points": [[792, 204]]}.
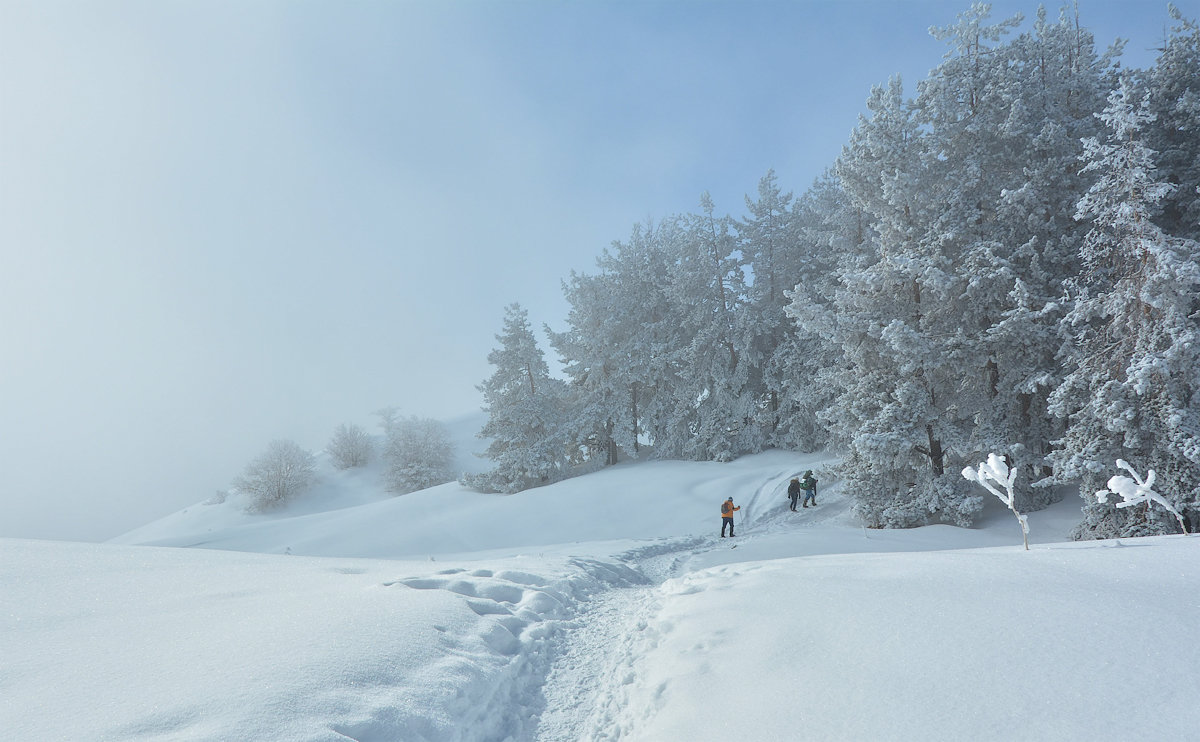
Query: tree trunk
{"points": [[633, 391], [936, 454]]}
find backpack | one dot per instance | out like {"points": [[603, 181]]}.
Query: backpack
{"points": [[726, 508]]}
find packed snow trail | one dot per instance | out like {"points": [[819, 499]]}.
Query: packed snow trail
{"points": [[592, 656], [586, 689]]}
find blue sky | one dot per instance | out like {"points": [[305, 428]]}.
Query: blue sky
{"points": [[227, 222]]}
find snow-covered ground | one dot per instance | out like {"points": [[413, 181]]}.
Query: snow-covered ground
{"points": [[601, 608]]}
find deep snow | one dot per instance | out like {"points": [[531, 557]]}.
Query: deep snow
{"points": [[600, 608]]}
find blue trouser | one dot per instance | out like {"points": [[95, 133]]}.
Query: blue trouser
{"points": [[810, 495], [727, 521]]}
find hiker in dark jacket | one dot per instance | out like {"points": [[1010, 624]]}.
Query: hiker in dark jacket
{"points": [[794, 492], [809, 485]]}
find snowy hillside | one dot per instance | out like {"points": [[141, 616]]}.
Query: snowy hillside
{"points": [[600, 608]]}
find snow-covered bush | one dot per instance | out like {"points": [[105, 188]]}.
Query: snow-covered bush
{"points": [[1136, 491], [350, 447], [418, 454], [995, 471], [279, 474]]}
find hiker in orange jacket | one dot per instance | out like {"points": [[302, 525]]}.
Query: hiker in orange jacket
{"points": [[727, 509]]}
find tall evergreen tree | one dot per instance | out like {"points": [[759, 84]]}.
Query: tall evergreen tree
{"points": [[768, 247], [1134, 327], [526, 411], [805, 366], [706, 286], [1173, 84], [891, 317], [618, 347], [1006, 119]]}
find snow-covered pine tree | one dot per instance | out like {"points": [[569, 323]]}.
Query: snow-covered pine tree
{"points": [[526, 413], [1134, 331], [711, 395], [1173, 84], [806, 366], [619, 347], [1006, 119], [767, 243], [891, 317]]}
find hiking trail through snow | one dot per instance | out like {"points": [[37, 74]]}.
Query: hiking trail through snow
{"points": [[586, 689], [595, 655]]}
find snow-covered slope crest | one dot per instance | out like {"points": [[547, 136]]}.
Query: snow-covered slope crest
{"points": [[349, 515]]}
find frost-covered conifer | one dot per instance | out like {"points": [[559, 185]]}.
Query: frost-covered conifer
{"points": [[1134, 328], [770, 255], [526, 410], [892, 316], [619, 348], [806, 366], [1019, 165], [712, 394], [1173, 84]]}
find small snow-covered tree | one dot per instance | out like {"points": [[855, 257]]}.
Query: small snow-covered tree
{"points": [[350, 447], [1137, 491], [279, 474], [418, 454], [994, 474]]}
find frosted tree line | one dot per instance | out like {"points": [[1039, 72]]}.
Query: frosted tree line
{"points": [[416, 453], [1004, 262]]}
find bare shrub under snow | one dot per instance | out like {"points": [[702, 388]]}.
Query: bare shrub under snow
{"points": [[350, 447], [279, 474]]}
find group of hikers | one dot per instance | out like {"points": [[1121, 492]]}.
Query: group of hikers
{"points": [[807, 485]]}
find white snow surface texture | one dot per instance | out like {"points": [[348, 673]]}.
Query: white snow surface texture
{"points": [[601, 608]]}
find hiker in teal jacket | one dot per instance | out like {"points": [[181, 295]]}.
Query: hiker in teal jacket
{"points": [[809, 485]]}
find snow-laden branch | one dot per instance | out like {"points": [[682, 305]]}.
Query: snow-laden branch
{"points": [[1136, 491], [995, 472]]}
